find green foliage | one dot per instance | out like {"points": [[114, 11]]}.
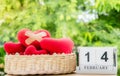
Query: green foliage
{"points": [[56, 16], [104, 6], [112, 18], [2, 53]]}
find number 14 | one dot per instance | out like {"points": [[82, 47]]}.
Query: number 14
{"points": [[103, 57]]}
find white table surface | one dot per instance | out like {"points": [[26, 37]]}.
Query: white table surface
{"points": [[63, 75]]}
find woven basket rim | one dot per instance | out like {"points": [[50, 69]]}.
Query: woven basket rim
{"points": [[63, 54]]}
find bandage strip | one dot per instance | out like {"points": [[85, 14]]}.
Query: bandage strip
{"points": [[32, 37]]}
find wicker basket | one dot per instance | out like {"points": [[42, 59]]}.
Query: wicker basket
{"points": [[40, 64]]}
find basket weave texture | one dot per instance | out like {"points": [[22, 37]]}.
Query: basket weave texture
{"points": [[40, 64]]}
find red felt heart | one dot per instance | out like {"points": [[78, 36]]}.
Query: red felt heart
{"points": [[63, 45], [27, 37], [31, 50], [12, 48]]}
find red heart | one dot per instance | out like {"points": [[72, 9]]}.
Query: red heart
{"points": [[12, 48], [30, 50], [33, 37], [63, 45]]}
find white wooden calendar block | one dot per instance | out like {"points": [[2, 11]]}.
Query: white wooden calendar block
{"points": [[97, 60]]}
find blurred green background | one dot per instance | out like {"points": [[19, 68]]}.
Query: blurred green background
{"points": [[86, 22]]}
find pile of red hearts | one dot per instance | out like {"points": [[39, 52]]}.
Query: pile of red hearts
{"points": [[37, 43]]}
